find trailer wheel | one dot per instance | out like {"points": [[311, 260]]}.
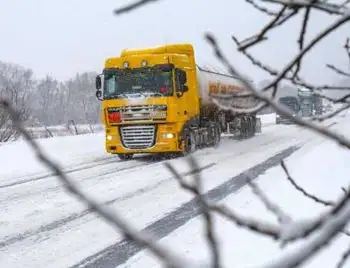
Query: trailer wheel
{"points": [[125, 156], [254, 125], [251, 127], [243, 128], [221, 119], [217, 135]]}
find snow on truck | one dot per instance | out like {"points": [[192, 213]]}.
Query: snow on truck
{"points": [[157, 100]]}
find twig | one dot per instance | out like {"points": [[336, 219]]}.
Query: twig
{"points": [[305, 193], [331, 115], [133, 6], [307, 48], [300, 189], [196, 190], [262, 9], [337, 70], [275, 22], [296, 80], [282, 217], [258, 226], [344, 258], [320, 5], [302, 37]]}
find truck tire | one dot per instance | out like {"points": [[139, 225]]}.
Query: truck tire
{"points": [[190, 145], [125, 156]]}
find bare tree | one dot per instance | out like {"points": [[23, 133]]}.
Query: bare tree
{"points": [[328, 225], [45, 100], [80, 105], [16, 85]]}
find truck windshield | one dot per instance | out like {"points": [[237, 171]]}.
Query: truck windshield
{"points": [[124, 84]]}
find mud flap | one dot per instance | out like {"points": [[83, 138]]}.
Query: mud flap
{"points": [[258, 125]]}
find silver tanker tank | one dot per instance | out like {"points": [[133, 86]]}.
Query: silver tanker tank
{"points": [[212, 82]]}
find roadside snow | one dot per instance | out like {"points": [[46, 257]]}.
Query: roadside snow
{"points": [[42, 218], [320, 167], [17, 159]]}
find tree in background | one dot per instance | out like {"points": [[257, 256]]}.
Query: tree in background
{"points": [[16, 85]]}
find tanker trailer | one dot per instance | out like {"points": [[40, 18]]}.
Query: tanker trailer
{"points": [[239, 125]]}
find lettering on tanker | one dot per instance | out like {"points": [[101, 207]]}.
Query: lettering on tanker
{"points": [[219, 88]]}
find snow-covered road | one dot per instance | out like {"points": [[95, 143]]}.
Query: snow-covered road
{"points": [[41, 223]]}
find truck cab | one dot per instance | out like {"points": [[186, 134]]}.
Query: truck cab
{"points": [[149, 98]]}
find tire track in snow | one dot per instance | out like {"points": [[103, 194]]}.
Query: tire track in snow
{"points": [[75, 216], [120, 252], [80, 167], [128, 165]]}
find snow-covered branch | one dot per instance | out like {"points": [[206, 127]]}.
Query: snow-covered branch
{"points": [[282, 217]]}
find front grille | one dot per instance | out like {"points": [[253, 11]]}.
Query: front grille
{"points": [[143, 113], [138, 137]]}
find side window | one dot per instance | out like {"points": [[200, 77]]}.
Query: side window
{"points": [[111, 83]]}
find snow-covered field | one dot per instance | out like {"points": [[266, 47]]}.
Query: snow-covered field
{"points": [[63, 130], [43, 226]]}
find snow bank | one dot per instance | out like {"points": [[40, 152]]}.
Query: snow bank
{"points": [[63, 130], [17, 159], [320, 167]]}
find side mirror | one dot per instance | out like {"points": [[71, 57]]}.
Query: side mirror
{"points": [[99, 95], [181, 80], [98, 83], [182, 77]]}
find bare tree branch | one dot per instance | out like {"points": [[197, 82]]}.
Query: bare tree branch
{"points": [[344, 258], [320, 5], [300, 189], [282, 217], [331, 115], [257, 226], [278, 20], [133, 6], [337, 70], [261, 8], [302, 36], [307, 48], [196, 190]]}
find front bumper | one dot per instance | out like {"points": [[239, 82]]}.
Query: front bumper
{"points": [[165, 140]]}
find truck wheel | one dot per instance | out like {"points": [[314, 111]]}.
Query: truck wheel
{"points": [[190, 145], [125, 156]]}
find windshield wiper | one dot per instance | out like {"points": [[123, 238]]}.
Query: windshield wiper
{"points": [[115, 96], [154, 93]]}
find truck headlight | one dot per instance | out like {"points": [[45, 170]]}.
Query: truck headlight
{"points": [[168, 135], [109, 137]]}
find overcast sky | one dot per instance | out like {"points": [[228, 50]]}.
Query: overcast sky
{"points": [[60, 37]]}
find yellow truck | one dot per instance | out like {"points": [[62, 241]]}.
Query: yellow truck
{"points": [[158, 100]]}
